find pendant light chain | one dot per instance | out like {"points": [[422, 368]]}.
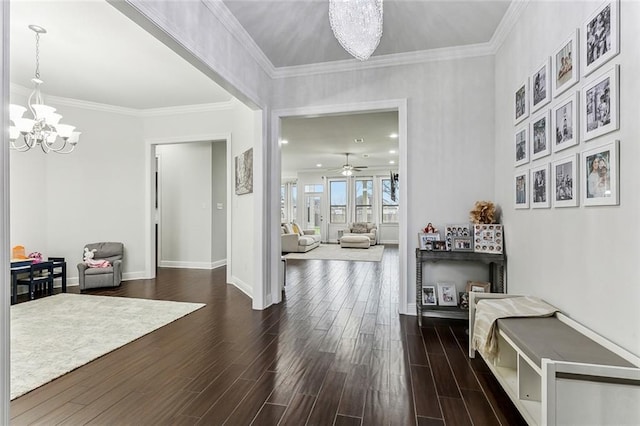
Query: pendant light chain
{"points": [[38, 56]]}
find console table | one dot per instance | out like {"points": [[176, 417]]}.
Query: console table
{"points": [[496, 263]]}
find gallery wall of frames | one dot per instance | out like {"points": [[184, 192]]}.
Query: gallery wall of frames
{"points": [[566, 114]]}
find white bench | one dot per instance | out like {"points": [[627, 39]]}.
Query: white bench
{"points": [[558, 372]]}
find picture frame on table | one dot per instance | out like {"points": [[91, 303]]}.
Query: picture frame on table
{"points": [[464, 300], [425, 240], [540, 135], [429, 295], [565, 64], [522, 146], [488, 238], [600, 99], [478, 287], [541, 85], [462, 243], [521, 102], [521, 187], [600, 37], [440, 246], [600, 176], [564, 123], [456, 230], [540, 184], [564, 181], [447, 294]]}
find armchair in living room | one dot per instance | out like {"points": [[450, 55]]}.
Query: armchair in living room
{"points": [[109, 276], [363, 228], [297, 240]]}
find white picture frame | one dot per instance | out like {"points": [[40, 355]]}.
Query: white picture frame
{"points": [[564, 181], [599, 183], [456, 230], [447, 294], [540, 92], [521, 189], [600, 37], [540, 183], [565, 64], [600, 102], [564, 123], [521, 102], [429, 295], [521, 146], [539, 135], [488, 238]]}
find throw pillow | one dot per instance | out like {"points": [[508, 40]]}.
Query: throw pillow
{"points": [[288, 228], [296, 229], [359, 228]]}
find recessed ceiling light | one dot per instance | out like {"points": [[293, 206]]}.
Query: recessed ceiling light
{"points": [[318, 165], [393, 136], [358, 140], [392, 151], [365, 155], [392, 162], [284, 141]]}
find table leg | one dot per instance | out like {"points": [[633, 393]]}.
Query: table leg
{"points": [[419, 291], [64, 277]]}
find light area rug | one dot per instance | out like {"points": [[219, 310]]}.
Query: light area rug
{"points": [[335, 252], [56, 334]]}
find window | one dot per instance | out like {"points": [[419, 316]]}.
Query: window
{"points": [[389, 206], [283, 197], [364, 200], [338, 197], [313, 188], [294, 200]]}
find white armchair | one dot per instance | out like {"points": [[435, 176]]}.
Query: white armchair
{"points": [[363, 228]]}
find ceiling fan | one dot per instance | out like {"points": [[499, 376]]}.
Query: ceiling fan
{"points": [[348, 169]]}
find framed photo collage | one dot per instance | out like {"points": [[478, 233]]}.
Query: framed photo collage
{"points": [[554, 114]]}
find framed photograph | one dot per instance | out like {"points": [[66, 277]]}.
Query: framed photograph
{"points": [[541, 86], [439, 245], [565, 64], [244, 172], [601, 37], [462, 243], [464, 300], [425, 240], [478, 287], [521, 185], [600, 175], [540, 187], [521, 102], [429, 295], [540, 142], [564, 181], [488, 238], [564, 119], [600, 99], [522, 146], [447, 294], [459, 230]]}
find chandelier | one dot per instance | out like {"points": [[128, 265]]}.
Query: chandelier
{"points": [[357, 24], [44, 129]]}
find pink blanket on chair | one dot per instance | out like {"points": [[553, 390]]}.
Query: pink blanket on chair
{"points": [[98, 263]]}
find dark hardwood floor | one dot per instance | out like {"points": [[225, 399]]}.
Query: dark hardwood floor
{"points": [[335, 352]]}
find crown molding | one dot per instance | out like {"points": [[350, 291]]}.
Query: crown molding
{"points": [[381, 61], [222, 12], [136, 112], [507, 23]]}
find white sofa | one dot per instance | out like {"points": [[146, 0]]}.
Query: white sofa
{"points": [[363, 228], [298, 242]]}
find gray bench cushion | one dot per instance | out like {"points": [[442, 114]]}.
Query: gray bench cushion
{"points": [[551, 338]]}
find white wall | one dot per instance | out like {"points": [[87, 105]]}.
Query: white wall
{"points": [[185, 182], [584, 260], [59, 203], [450, 136]]}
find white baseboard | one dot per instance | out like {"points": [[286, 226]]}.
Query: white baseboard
{"points": [[192, 265], [389, 242], [242, 286]]}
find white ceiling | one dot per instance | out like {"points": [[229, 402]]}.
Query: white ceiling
{"points": [[92, 52], [297, 32]]}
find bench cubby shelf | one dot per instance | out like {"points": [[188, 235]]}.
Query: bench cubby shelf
{"points": [[495, 262], [558, 372]]}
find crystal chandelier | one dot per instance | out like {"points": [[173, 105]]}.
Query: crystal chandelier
{"points": [[357, 24], [43, 129]]}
